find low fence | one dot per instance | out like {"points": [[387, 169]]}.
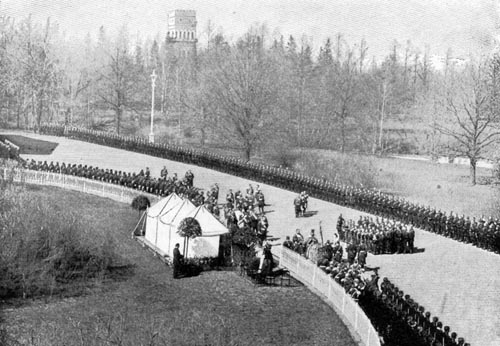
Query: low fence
{"points": [[94, 187], [311, 275]]}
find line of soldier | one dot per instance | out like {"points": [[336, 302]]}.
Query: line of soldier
{"points": [[8, 150], [483, 233], [162, 186], [430, 330], [379, 236]]}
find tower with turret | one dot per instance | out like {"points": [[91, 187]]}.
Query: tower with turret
{"points": [[181, 33]]}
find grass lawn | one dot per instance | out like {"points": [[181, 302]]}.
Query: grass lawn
{"points": [[149, 307], [442, 186], [31, 146]]}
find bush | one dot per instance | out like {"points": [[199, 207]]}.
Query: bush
{"points": [[46, 251], [141, 203]]}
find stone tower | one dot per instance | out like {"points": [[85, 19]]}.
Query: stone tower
{"points": [[181, 32]]}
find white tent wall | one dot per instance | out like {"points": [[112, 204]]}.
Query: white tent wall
{"points": [[197, 247], [151, 229]]}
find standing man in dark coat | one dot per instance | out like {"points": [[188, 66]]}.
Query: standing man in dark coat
{"points": [[177, 261]]}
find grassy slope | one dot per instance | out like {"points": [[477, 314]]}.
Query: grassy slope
{"points": [[218, 307], [31, 146]]}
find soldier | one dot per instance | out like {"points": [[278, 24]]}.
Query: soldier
{"points": [[340, 224], [259, 196], [297, 206]]}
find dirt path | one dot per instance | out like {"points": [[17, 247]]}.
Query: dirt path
{"points": [[457, 282]]}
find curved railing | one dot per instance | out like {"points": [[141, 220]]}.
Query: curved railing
{"points": [[116, 192], [311, 275]]}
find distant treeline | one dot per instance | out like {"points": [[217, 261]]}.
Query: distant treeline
{"points": [[253, 92]]}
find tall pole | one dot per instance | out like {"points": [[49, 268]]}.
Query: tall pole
{"points": [[151, 133]]}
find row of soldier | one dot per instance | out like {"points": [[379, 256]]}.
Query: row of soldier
{"points": [[379, 236], [483, 233], [143, 180], [430, 330]]}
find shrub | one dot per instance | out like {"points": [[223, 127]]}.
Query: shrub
{"points": [[141, 203]]}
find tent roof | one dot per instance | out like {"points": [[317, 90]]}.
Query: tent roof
{"points": [[164, 205], [210, 225], [177, 213]]}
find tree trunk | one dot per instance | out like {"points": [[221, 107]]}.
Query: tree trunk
{"points": [[248, 151], [39, 112], [118, 112], [473, 163], [186, 244]]}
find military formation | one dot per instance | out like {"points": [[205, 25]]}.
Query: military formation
{"points": [[143, 181], [378, 235], [8, 150], [429, 331], [484, 233]]}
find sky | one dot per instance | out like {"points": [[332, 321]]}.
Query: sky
{"points": [[465, 26]]}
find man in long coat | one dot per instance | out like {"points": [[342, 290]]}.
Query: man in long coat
{"points": [[177, 261]]}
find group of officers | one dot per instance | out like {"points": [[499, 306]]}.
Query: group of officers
{"points": [[246, 212], [482, 233], [379, 236], [430, 330]]}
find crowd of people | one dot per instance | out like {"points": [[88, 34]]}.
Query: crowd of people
{"points": [[329, 257], [245, 212], [378, 235], [484, 233], [386, 305]]}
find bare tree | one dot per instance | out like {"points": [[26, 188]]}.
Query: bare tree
{"points": [[242, 91], [116, 76], [472, 103]]}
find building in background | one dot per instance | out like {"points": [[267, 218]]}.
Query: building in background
{"points": [[181, 33]]}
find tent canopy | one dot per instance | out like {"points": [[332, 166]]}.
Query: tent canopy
{"points": [[210, 225], [177, 213], [164, 205]]}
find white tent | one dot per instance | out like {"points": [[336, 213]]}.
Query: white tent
{"points": [[153, 234], [211, 229], [161, 231]]}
